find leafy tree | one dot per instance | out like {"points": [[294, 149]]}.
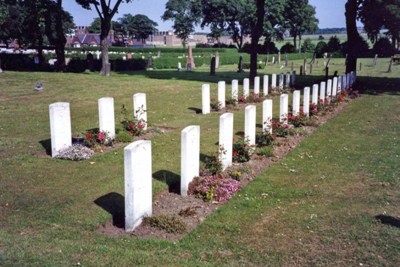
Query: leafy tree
{"points": [[256, 32], [300, 17], [95, 26], [10, 20], [354, 40], [287, 48], [138, 26], [333, 45], [383, 48], [185, 14], [321, 48], [106, 11], [275, 20], [308, 46]]}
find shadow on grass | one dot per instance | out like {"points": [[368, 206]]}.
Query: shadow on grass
{"points": [[114, 204], [388, 220], [46, 144], [197, 110], [173, 180]]}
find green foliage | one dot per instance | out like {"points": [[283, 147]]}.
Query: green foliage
{"points": [[266, 151], [123, 136], [308, 46], [168, 223], [264, 139], [383, 48], [242, 150], [333, 45], [287, 48], [212, 165], [139, 26], [321, 48]]}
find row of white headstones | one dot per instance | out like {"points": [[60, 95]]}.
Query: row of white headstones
{"points": [[138, 155]]}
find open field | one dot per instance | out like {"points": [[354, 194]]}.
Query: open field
{"points": [[316, 207]]}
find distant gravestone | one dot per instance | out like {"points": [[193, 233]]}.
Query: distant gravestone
{"points": [[190, 61], [149, 63], [212, 66], [287, 80], [190, 156], [267, 116], [205, 92], [221, 93], [273, 60], [256, 90], [216, 60], [286, 61], [306, 101], [280, 81], [265, 85], [250, 124], [226, 139], [375, 60], [273, 81], [283, 108], [293, 79], [305, 66], [179, 66], [296, 102], [38, 86], [240, 65], [322, 91], [246, 87], [138, 183]]}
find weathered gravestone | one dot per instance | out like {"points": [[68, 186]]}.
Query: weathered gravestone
{"points": [[334, 86], [212, 66], [329, 89], [314, 99], [267, 116], [240, 65], [235, 90], [138, 183], [322, 91], [250, 124], [60, 127], [273, 81], [281, 81], [106, 116], [287, 80], [246, 87], [190, 156], [205, 92], [190, 60], [226, 139], [256, 90]]}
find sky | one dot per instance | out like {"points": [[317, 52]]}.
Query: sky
{"points": [[329, 12]]}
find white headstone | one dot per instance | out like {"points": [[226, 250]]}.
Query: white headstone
{"points": [[322, 91], [273, 81], [190, 156], [296, 102], [106, 116], [246, 87], [293, 77], [306, 101], [235, 90], [283, 108], [140, 108], [334, 86], [60, 127], [344, 81], [250, 124], [205, 90], [348, 80], [265, 85], [138, 183], [329, 89], [339, 85], [226, 139], [287, 82], [267, 116], [315, 94], [221, 93], [256, 85], [179, 66]]}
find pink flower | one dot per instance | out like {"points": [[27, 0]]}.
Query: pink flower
{"points": [[101, 136]]}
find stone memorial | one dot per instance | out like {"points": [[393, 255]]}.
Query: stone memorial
{"points": [[246, 87], [339, 85], [216, 60], [225, 139], [60, 127], [179, 66], [212, 66], [279, 57], [334, 86], [265, 85], [283, 108], [138, 183], [250, 124], [329, 89], [256, 85], [281, 81], [235, 90], [140, 108], [273, 81], [296, 102], [205, 92], [38, 86], [190, 156], [106, 116], [287, 80], [221, 93], [306, 101], [240, 65], [267, 116], [190, 60], [322, 88], [293, 79], [314, 98]]}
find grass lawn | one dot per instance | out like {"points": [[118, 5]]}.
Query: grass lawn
{"points": [[316, 207]]}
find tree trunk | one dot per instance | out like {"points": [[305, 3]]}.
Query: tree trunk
{"points": [[105, 29], [353, 37], [255, 37], [61, 40], [295, 41], [299, 43]]}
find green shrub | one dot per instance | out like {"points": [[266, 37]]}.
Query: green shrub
{"points": [[123, 136], [266, 151], [169, 223]]}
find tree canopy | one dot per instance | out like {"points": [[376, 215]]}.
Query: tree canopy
{"points": [[138, 26]]}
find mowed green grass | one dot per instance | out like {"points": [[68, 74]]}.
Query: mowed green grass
{"points": [[316, 207]]}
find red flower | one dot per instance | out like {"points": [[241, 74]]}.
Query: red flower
{"points": [[140, 126], [344, 93], [287, 126], [315, 111], [273, 136], [131, 124], [234, 153], [88, 135]]}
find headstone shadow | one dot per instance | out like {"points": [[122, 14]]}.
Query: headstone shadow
{"points": [[388, 220], [113, 203], [46, 144], [173, 180], [197, 110]]}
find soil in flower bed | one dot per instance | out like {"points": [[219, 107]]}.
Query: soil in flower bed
{"points": [[172, 204]]}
